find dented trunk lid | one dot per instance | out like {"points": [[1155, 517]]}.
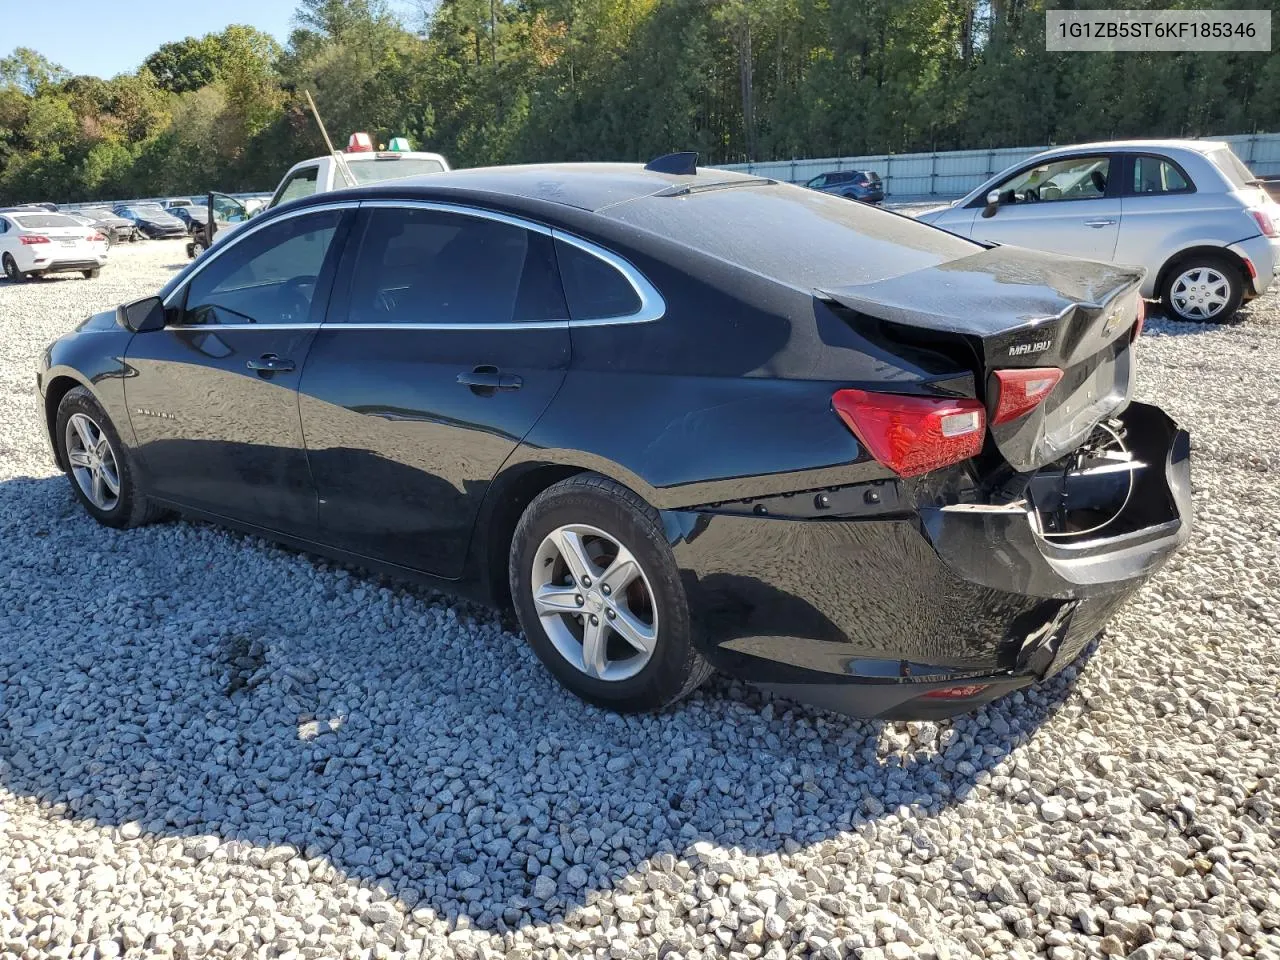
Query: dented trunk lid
{"points": [[1008, 307]]}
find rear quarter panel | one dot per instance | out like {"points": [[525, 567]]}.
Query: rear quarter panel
{"points": [[1155, 229]]}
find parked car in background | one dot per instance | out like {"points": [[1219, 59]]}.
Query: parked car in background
{"points": [[34, 243], [321, 174], [1188, 211], [116, 227], [192, 212], [863, 185], [859, 461], [152, 220]]}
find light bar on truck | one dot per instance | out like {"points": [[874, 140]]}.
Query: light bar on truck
{"points": [[359, 143]]}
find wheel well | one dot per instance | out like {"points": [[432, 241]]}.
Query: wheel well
{"points": [[58, 388], [509, 505], [1182, 256]]}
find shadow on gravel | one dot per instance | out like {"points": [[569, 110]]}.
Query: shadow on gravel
{"points": [[187, 682]]}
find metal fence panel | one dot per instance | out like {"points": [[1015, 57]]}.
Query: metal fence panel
{"points": [[954, 173]]}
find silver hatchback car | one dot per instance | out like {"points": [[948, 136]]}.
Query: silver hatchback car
{"points": [[1187, 210]]}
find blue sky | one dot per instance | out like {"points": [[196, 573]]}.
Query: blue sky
{"points": [[106, 37]]}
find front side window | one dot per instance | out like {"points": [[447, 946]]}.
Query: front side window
{"points": [[1157, 175], [268, 277], [594, 288], [301, 184], [419, 265], [1076, 178]]}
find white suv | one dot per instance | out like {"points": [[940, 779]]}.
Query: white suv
{"points": [[1187, 210]]}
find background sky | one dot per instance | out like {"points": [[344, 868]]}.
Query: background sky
{"points": [[106, 37]]}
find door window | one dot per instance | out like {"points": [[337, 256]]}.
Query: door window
{"points": [[596, 290], [1075, 178], [301, 184], [1158, 175], [269, 277], [419, 265]]}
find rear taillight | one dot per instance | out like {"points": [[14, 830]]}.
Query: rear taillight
{"points": [[913, 435], [959, 692], [1018, 392], [29, 239], [1141, 318], [95, 237], [1265, 223]]}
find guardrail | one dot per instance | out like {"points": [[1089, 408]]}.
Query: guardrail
{"points": [[953, 173]]}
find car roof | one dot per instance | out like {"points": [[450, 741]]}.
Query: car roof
{"points": [[584, 186], [1139, 146]]}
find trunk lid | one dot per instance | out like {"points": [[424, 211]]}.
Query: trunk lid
{"points": [[1006, 308]]}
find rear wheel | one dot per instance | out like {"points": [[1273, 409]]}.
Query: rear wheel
{"points": [[599, 596], [98, 463], [91, 274], [11, 271], [1204, 289]]}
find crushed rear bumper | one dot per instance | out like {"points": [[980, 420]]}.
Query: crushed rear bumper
{"points": [[869, 617]]}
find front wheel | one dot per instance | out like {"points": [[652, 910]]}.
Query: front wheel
{"points": [[1204, 289], [98, 463], [599, 596]]}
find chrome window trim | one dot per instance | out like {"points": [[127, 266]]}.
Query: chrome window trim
{"points": [[213, 253], [444, 206], [652, 306]]}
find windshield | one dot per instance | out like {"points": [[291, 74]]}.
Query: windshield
{"points": [[36, 221], [375, 169]]}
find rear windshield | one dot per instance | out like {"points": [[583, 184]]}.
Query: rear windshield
{"points": [[376, 169], [39, 221], [796, 236], [1234, 169]]}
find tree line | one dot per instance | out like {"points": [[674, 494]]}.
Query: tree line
{"points": [[511, 81]]}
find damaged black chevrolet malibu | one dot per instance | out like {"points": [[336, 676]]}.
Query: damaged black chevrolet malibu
{"points": [[680, 419]]}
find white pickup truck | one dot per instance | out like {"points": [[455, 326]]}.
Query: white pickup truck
{"points": [[321, 174]]}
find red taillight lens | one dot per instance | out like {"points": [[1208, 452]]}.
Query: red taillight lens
{"points": [[1018, 392], [1265, 223], [29, 240], [1136, 332], [913, 435], [95, 237], [961, 692]]}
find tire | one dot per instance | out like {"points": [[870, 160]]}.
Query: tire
{"points": [[91, 274], [632, 680], [11, 271], [130, 508], [1203, 288]]}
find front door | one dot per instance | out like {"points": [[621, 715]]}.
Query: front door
{"points": [[213, 397], [1069, 206], [447, 338]]}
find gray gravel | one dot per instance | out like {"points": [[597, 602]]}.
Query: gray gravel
{"points": [[213, 747]]}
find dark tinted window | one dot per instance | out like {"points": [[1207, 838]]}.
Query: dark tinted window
{"points": [[267, 277], [428, 266], [595, 289]]}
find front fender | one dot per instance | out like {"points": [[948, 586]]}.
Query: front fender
{"points": [[94, 359]]}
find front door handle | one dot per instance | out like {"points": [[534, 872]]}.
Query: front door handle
{"points": [[270, 363], [485, 380], [1099, 223]]}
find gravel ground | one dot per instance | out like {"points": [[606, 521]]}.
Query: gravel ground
{"points": [[213, 747]]}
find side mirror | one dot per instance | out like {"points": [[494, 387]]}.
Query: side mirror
{"points": [[142, 315], [993, 204]]}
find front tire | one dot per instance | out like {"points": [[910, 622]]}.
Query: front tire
{"points": [[99, 465], [11, 271], [1204, 288], [598, 594]]}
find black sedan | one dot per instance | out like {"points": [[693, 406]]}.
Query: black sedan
{"points": [[152, 220], [681, 421]]}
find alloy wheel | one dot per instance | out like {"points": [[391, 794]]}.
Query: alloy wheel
{"points": [[93, 462], [1201, 293], [594, 602]]}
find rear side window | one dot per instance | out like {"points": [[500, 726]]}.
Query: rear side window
{"points": [[419, 265], [595, 289], [1158, 175]]}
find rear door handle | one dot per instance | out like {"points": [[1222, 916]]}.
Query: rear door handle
{"points": [[485, 380], [270, 363], [1099, 223]]}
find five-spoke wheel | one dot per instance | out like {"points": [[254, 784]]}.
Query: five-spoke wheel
{"points": [[92, 461]]}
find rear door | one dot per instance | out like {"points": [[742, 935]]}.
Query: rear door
{"points": [[1070, 205], [213, 397], [447, 338]]}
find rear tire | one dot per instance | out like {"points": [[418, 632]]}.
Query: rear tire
{"points": [[646, 657], [1203, 288], [11, 271], [91, 274], [84, 427]]}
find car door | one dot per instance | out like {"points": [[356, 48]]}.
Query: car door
{"points": [[1160, 208], [1070, 205], [447, 338], [213, 396]]}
